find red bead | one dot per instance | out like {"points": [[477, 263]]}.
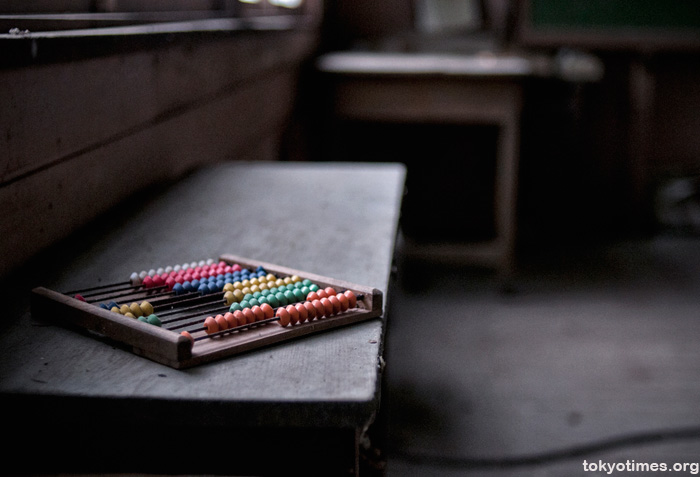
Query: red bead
{"points": [[336, 304], [283, 316]]}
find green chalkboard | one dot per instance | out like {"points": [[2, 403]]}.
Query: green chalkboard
{"points": [[616, 14]]}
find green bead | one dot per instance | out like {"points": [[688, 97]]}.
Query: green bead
{"points": [[273, 301], [282, 299], [253, 302], [299, 295], [307, 283], [142, 318], [245, 304], [290, 296], [313, 287], [234, 307], [153, 319]]}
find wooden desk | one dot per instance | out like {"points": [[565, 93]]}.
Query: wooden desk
{"points": [[87, 405], [443, 88]]}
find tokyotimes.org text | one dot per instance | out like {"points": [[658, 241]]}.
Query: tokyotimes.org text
{"points": [[609, 468]]}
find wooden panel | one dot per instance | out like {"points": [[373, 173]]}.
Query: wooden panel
{"points": [[56, 111], [50, 204]]}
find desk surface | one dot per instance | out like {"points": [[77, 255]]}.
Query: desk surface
{"points": [[336, 220]]}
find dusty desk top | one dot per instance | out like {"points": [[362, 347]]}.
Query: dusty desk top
{"points": [[332, 219]]}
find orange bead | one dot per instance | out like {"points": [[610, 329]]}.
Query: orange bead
{"points": [[303, 314], [322, 294], [267, 310], [344, 302], [320, 309], [240, 317], [249, 315], [221, 321], [187, 335], [293, 314], [283, 316], [351, 298], [230, 319], [336, 304], [328, 306], [312, 296], [210, 325], [330, 291], [259, 314], [311, 311]]}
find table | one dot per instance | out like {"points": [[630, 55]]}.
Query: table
{"points": [[476, 88], [87, 405]]}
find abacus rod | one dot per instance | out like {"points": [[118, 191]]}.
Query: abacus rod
{"points": [[97, 287]]}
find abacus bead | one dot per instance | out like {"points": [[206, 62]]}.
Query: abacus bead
{"points": [[153, 319], [273, 301], [147, 282], [249, 315], [336, 304], [136, 309], [221, 321], [245, 304], [290, 296], [228, 287], [143, 319], [259, 314], [344, 302], [213, 288], [178, 289], [330, 291], [158, 281], [79, 297], [282, 299], [303, 313], [313, 287], [306, 282], [115, 309], [322, 294], [267, 310], [283, 316], [103, 306], [240, 317], [230, 319], [112, 304], [130, 315], [351, 298], [229, 298], [298, 294], [296, 278], [187, 335], [310, 310], [135, 279], [312, 296], [235, 306], [328, 306], [210, 325], [320, 309], [238, 294], [293, 314], [124, 309]]}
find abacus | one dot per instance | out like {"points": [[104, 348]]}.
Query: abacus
{"points": [[198, 312]]}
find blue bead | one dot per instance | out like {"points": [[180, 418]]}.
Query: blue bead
{"points": [[103, 306], [112, 304], [195, 284], [203, 289], [178, 289], [213, 288]]}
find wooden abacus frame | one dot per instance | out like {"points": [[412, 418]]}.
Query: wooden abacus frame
{"points": [[172, 349]]}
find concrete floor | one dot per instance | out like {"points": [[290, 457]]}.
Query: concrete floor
{"points": [[595, 357]]}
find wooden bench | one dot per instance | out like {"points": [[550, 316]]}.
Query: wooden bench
{"points": [[87, 404]]}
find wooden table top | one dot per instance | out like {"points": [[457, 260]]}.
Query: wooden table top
{"points": [[333, 219]]}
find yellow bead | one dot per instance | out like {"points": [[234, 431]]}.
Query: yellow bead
{"points": [[228, 287], [124, 309], [129, 315], [245, 283], [238, 285], [253, 281], [296, 278], [146, 308], [135, 309], [229, 297], [270, 277], [246, 290], [279, 282], [263, 286], [254, 288], [115, 309], [287, 280], [238, 294]]}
